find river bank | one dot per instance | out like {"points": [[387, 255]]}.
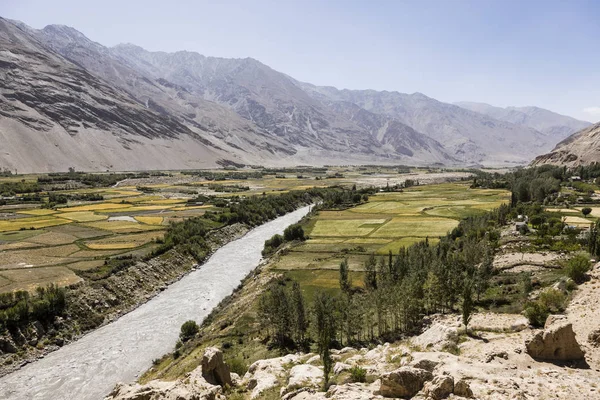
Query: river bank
{"points": [[90, 367], [93, 304]]}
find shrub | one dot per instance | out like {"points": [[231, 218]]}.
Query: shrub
{"points": [[586, 211], [358, 374], [577, 266], [238, 366], [553, 300], [536, 313], [189, 329]]}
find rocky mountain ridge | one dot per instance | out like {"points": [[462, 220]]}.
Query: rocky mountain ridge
{"points": [[125, 108], [545, 121], [581, 148]]}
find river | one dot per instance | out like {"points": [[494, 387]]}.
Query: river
{"points": [[90, 367]]}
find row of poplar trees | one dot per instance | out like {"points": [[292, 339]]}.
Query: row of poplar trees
{"points": [[397, 291]]}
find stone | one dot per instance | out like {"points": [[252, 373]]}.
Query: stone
{"points": [[313, 360], [214, 369], [340, 367], [7, 345], [437, 337], [427, 365], [404, 382], [496, 354], [594, 337], [352, 391], [194, 386], [463, 389], [440, 387], [556, 342], [265, 374], [305, 376]]}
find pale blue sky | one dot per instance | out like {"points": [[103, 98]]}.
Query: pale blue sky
{"points": [[505, 52]]}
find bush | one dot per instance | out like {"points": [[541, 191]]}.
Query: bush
{"points": [[536, 313], [358, 374], [238, 366], [586, 211], [189, 329], [553, 300], [576, 267]]}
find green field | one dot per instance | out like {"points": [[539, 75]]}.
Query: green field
{"points": [[387, 222]]}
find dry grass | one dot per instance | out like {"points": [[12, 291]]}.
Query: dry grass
{"points": [[38, 211], [144, 219], [122, 226], [37, 257], [30, 278], [124, 241], [28, 223], [94, 207], [83, 216]]}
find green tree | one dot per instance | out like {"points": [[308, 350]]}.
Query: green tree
{"points": [[323, 310], [586, 211], [467, 305], [189, 329], [577, 266], [299, 313], [345, 280], [371, 273]]}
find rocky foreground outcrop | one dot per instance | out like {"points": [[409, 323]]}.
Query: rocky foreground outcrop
{"points": [[200, 384], [556, 342]]}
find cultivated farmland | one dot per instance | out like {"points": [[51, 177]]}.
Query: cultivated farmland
{"points": [[387, 222]]}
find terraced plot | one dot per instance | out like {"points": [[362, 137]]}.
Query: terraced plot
{"points": [[386, 223]]}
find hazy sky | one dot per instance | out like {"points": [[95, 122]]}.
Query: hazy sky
{"points": [[526, 52]]}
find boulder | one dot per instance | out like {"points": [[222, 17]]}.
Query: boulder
{"points": [[427, 365], [440, 387], [404, 382], [340, 367], [437, 337], [194, 386], [305, 376], [352, 391], [463, 389], [7, 345], [594, 337], [314, 360], [266, 374], [555, 343], [214, 370], [496, 354]]}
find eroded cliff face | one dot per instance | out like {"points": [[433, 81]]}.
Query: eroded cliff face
{"points": [[581, 148]]}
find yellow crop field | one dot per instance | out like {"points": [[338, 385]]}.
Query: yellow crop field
{"points": [[95, 207], [348, 227], [38, 211], [129, 208], [28, 223], [149, 220], [124, 241], [121, 226], [83, 216]]}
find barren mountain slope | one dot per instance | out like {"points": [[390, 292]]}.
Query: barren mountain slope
{"points": [[274, 102], [54, 115], [580, 148], [468, 135], [221, 125], [555, 125]]}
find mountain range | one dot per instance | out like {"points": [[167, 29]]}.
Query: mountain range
{"points": [[67, 101]]}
